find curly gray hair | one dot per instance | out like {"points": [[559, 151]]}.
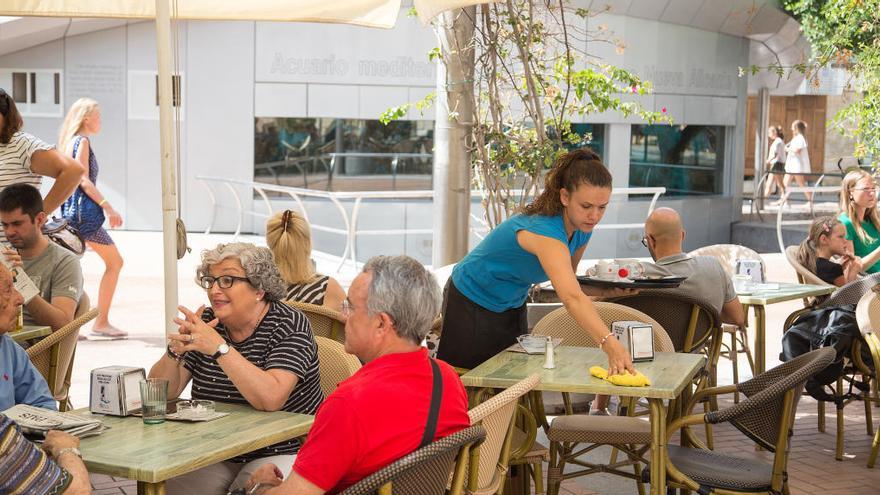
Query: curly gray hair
{"points": [[402, 288], [258, 263]]}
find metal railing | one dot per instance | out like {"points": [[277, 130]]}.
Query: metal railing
{"points": [[793, 190], [350, 220]]}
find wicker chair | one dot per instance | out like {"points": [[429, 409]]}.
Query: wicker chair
{"points": [[631, 435], [692, 325], [727, 255], [487, 466], [804, 275], [53, 356], [335, 364], [325, 321], [868, 316], [425, 471], [857, 379], [766, 416]]}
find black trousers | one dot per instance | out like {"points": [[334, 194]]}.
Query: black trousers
{"points": [[472, 334]]}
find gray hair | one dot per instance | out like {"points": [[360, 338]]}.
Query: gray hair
{"points": [[406, 291], [258, 263]]}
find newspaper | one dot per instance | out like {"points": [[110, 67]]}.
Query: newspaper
{"points": [[37, 421], [23, 284]]}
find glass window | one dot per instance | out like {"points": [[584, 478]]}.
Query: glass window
{"points": [[344, 154], [686, 159], [596, 141]]}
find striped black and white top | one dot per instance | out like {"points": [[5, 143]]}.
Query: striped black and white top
{"points": [[311, 291], [283, 340], [15, 162]]}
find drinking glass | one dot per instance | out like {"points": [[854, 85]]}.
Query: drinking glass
{"points": [[154, 396]]}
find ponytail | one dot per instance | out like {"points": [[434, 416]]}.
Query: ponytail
{"points": [[806, 254], [572, 169]]}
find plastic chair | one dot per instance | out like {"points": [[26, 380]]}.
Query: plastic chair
{"points": [[334, 363], [53, 356], [487, 466], [766, 416], [425, 471], [325, 321], [629, 434], [727, 255]]}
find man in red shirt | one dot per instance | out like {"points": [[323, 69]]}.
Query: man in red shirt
{"points": [[379, 414]]}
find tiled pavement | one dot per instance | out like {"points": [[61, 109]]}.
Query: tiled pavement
{"points": [[138, 305]]}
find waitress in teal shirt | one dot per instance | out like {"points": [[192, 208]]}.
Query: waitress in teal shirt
{"points": [[484, 304], [858, 204]]}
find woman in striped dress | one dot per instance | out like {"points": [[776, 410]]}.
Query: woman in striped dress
{"points": [[26, 159], [289, 237]]}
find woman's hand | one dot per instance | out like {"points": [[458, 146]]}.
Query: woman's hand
{"points": [[619, 360], [195, 334], [113, 216]]}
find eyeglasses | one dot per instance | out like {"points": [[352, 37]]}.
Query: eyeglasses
{"points": [[872, 189], [225, 281], [645, 240], [347, 308]]}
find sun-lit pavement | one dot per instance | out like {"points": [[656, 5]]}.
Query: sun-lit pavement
{"points": [[138, 309]]}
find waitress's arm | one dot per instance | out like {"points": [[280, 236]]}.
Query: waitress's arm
{"points": [[557, 264]]}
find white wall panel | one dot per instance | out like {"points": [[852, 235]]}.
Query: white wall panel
{"points": [[280, 100]]}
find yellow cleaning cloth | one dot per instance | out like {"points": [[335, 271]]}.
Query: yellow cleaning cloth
{"points": [[624, 380]]}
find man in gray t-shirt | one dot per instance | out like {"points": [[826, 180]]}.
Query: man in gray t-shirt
{"points": [[54, 270], [706, 278]]}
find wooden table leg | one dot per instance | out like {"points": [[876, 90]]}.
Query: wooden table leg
{"points": [[760, 339], [658, 447], [145, 488]]}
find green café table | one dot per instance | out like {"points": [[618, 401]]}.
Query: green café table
{"points": [[29, 332], [152, 454], [760, 299], [669, 373]]}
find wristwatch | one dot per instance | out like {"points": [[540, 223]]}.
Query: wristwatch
{"points": [[73, 450], [222, 349]]}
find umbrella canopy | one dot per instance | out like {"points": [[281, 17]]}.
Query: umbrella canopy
{"points": [[370, 13]]}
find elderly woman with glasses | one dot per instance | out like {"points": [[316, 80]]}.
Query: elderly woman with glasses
{"points": [[246, 348], [858, 212]]}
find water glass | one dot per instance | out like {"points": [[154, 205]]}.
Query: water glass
{"points": [[154, 397]]}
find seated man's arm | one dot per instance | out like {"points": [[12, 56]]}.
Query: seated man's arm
{"points": [[30, 386], [56, 442], [295, 484], [24, 468], [55, 314], [733, 313]]}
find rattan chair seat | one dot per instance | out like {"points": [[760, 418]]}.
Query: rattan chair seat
{"points": [[581, 428], [716, 470], [538, 452]]}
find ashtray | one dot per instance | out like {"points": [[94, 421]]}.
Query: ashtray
{"points": [[532, 344], [195, 409]]}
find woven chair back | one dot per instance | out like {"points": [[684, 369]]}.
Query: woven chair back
{"points": [[496, 416], [325, 321], [423, 472], [559, 323], [804, 275], [728, 254], [675, 312], [852, 292], [335, 364], [868, 313], [762, 416], [53, 356]]}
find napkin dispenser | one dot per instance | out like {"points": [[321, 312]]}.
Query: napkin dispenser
{"points": [[637, 337], [752, 268], [115, 390]]}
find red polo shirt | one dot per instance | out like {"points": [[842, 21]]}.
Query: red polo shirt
{"points": [[376, 417]]}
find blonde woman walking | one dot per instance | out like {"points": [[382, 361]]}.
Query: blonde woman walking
{"points": [[797, 159], [87, 209], [289, 237]]}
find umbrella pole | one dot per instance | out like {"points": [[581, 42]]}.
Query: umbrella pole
{"points": [[166, 147]]}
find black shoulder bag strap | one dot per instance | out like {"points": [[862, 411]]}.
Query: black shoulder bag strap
{"points": [[434, 412]]}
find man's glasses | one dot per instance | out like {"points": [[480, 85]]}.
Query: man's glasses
{"points": [[347, 308], [225, 281], [645, 241]]}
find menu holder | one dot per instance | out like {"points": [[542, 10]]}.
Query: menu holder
{"points": [[636, 283]]}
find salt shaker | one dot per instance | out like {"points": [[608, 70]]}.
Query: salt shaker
{"points": [[549, 361]]}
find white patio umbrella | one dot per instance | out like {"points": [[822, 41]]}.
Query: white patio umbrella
{"points": [[370, 13]]}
